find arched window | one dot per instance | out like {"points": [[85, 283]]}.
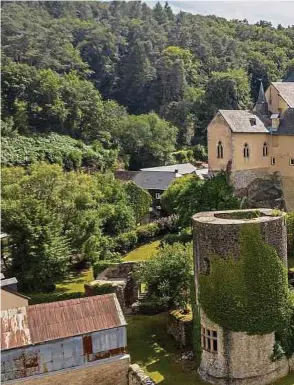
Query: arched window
{"points": [[265, 149], [220, 150], [246, 151]]}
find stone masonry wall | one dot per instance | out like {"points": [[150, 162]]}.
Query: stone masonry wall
{"points": [[180, 329], [137, 376], [112, 372], [214, 236], [233, 365]]}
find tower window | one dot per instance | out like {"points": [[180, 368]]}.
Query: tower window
{"points": [[220, 150], [209, 340], [246, 151], [265, 149], [273, 160]]}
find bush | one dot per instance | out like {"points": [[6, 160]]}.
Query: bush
{"points": [[200, 153], [151, 307], [290, 228], [147, 232], [126, 242], [184, 236]]}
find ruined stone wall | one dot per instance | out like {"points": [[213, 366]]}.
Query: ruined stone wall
{"points": [[112, 372], [137, 376], [180, 329]]}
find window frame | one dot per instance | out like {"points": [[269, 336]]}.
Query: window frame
{"points": [[291, 161], [220, 150], [246, 151], [273, 161], [158, 195], [265, 149], [209, 340]]}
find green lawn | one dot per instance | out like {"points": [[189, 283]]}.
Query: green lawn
{"points": [[151, 347], [143, 252], [71, 287]]}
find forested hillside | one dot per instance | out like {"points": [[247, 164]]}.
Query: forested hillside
{"points": [[84, 69]]}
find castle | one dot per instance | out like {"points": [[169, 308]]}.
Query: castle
{"points": [[258, 147]]}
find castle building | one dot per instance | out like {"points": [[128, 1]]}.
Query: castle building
{"points": [[259, 144]]}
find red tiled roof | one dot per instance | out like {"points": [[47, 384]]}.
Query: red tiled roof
{"points": [[50, 321]]}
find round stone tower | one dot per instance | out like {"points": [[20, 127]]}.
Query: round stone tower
{"points": [[235, 357]]}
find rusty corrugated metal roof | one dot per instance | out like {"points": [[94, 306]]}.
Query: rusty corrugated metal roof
{"points": [[50, 321], [14, 328]]}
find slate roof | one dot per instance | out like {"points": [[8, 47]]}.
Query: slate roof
{"points": [[154, 180], [286, 126], [239, 121], [50, 321], [185, 168], [286, 90]]}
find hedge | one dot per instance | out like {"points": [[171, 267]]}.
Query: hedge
{"points": [[146, 233]]}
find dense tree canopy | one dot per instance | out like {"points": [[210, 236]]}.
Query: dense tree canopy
{"points": [[54, 218], [61, 59]]}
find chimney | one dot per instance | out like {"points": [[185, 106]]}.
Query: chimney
{"points": [[275, 119], [176, 171], [253, 121]]}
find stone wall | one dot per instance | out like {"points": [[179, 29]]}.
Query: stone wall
{"points": [[241, 359], [108, 372], [288, 189], [123, 284], [259, 188], [180, 328], [213, 235], [137, 376]]}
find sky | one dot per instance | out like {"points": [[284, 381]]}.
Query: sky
{"points": [[270, 10]]}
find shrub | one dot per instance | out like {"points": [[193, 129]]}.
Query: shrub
{"points": [[200, 153], [184, 236], [290, 227], [126, 242], [147, 232]]}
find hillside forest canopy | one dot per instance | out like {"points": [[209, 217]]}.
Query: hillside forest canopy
{"points": [[127, 78]]}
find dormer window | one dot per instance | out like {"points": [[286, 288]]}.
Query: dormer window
{"points": [[220, 150], [252, 121], [265, 149], [246, 151]]}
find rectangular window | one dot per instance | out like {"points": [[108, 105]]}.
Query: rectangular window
{"points": [[209, 340], [158, 195], [273, 160], [291, 161]]}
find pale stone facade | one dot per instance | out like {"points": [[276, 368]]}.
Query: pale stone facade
{"points": [[254, 144]]}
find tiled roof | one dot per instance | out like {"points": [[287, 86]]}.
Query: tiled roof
{"points": [[154, 180], [286, 90], [185, 168], [51, 321], [239, 121]]}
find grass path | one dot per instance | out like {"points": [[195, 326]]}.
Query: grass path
{"points": [[144, 252]]}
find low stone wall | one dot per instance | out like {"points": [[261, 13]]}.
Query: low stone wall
{"points": [[137, 376], [180, 327], [291, 363]]}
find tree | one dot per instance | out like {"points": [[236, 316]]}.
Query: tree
{"points": [[56, 219], [149, 140], [167, 276], [189, 195]]}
